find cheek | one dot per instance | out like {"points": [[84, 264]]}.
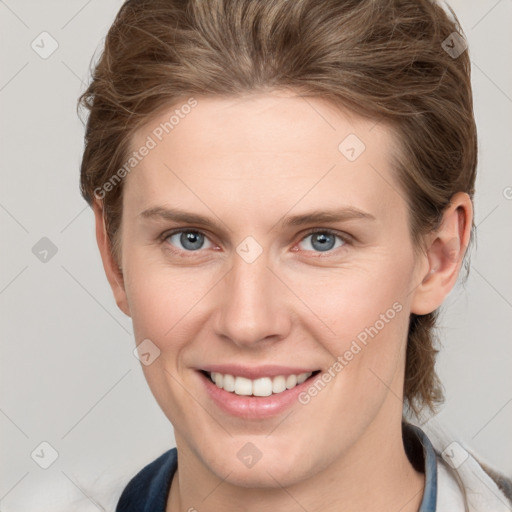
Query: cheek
{"points": [[164, 306], [343, 302], [361, 317], [162, 299]]}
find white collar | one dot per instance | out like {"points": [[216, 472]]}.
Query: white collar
{"points": [[483, 494]]}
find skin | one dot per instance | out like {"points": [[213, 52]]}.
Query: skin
{"points": [[246, 163]]}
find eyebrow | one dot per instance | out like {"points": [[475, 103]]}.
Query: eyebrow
{"points": [[312, 217], [320, 216]]}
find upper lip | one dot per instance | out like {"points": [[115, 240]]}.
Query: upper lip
{"points": [[256, 372]]}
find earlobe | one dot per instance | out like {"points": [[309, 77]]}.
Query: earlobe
{"points": [[445, 252], [112, 270]]}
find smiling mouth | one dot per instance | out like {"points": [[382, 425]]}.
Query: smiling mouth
{"points": [[264, 386]]}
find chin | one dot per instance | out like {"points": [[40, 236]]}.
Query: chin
{"points": [[263, 476], [250, 467]]}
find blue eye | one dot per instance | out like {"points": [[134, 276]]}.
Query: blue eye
{"points": [[189, 240], [322, 241], [193, 241]]}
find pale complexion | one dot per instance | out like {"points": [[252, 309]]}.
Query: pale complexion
{"points": [[248, 164]]}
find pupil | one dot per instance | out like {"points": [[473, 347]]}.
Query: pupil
{"points": [[325, 241], [191, 240]]}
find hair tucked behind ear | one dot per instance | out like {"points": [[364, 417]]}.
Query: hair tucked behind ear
{"points": [[421, 381], [389, 60]]}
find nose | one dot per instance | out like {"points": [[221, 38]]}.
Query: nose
{"points": [[252, 306]]}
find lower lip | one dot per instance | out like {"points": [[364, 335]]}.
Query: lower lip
{"points": [[253, 407]]}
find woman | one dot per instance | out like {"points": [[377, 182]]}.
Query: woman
{"points": [[283, 199]]}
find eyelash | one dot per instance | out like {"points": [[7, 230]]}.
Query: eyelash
{"points": [[344, 237]]}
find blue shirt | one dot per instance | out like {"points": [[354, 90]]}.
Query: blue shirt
{"points": [[149, 489]]}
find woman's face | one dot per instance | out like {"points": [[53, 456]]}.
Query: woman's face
{"points": [[264, 237]]}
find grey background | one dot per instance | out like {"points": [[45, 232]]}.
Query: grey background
{"points": [[68, 374]]}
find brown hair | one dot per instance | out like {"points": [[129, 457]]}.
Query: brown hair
{"points": [[388, 60]]}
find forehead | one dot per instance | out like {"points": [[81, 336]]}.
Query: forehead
{"points": [[258, 148]]}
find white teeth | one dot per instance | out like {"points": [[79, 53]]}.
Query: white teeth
{"points": [[229, 383], [243, 386], [291, 381], [302, 377], [219, 379], [278, 384], [264, 386]]}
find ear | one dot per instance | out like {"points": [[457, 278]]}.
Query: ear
{"points": [[112, 270], [445, 251]]}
